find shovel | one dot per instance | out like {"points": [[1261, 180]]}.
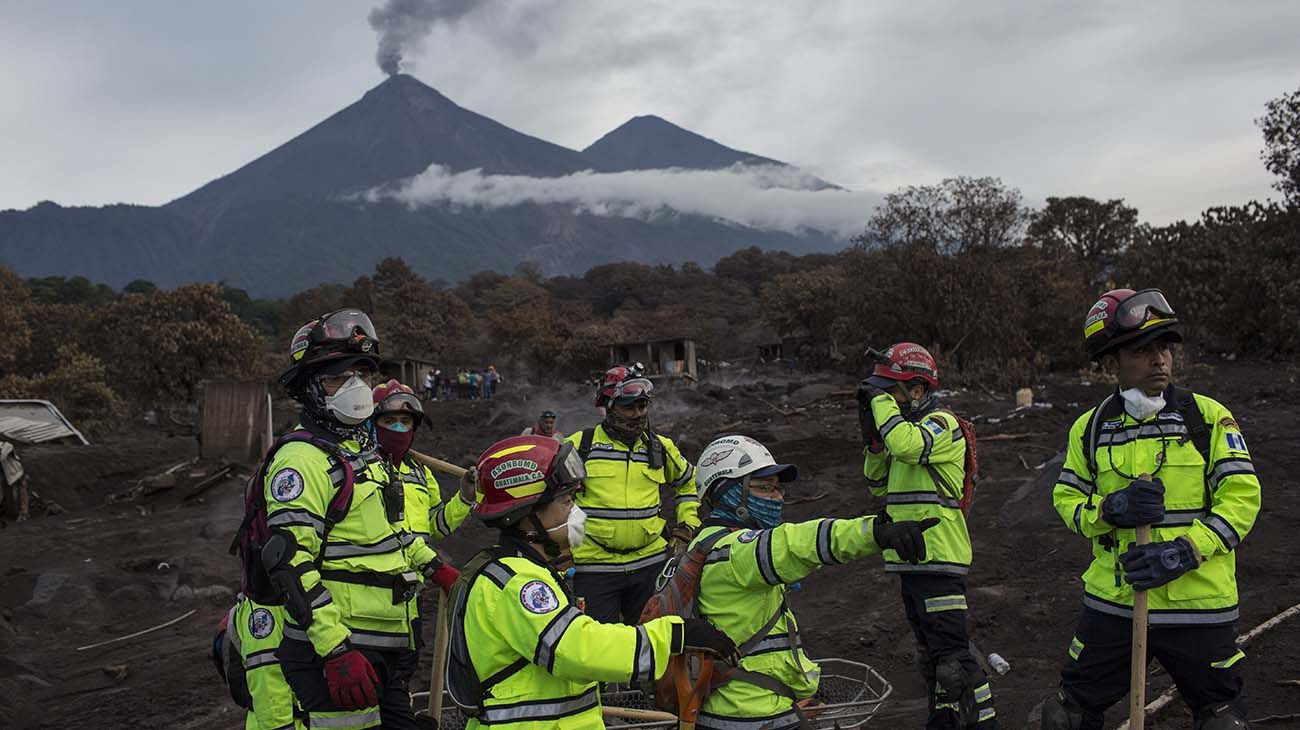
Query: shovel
{"points": [[1137, 676]]}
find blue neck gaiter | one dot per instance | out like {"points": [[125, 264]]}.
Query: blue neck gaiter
{"points": [[763, 513]]}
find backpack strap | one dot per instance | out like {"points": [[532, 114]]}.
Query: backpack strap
{"points": [[584, 445], [1109, 408], [1198, 431], [464, 686]]}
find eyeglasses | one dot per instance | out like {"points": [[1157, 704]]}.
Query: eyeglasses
{"points": [[338, 380]]}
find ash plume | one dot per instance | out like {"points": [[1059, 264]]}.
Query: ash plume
{"points": [[759, 196], [403, 25]]}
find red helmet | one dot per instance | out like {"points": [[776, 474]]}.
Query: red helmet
{"points": [[517, 473], [613, 377], [394, 397], [903, 363], [342, 334], [1127, 318]]}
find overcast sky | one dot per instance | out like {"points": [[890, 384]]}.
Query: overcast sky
{"points": [[141, 102]]}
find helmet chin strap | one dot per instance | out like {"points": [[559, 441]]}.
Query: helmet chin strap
{"points": [[539, 535], [742, 511]]}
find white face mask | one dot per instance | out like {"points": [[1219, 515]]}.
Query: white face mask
{"points": [[1140, 405], [575, 526], [353, 403]]}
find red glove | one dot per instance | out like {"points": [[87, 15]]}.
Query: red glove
{"points": [[351, 680], [444, 576]]}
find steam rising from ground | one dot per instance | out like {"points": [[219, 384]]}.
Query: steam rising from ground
{"points": [[768, 197], [403, 25]]}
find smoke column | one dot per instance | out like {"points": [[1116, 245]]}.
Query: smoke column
{"points": [[403, 25]]}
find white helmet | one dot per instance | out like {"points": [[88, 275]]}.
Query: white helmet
{"points": [[736, 457]]}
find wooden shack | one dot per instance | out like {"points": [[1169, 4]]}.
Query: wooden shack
{"points": [[663, 358]]}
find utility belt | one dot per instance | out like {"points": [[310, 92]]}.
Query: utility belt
{"points": [[404, 585]]}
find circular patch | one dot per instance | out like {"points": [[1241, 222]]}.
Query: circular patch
{"points": [[261, 623], [1170, 559], [286, 485], [538, 597], [748, 536]]}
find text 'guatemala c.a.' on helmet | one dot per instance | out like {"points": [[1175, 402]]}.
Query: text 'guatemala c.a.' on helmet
{"points": [[518, 473], [1128, 318], [342, 334]]}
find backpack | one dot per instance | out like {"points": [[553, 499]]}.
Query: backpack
{"points": [[688, 681], [227, 657], [970, 465], [463, 684], [254, 531]]}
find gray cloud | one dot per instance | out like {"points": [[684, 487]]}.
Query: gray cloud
{"points": [[759, 196], [403, 25]]}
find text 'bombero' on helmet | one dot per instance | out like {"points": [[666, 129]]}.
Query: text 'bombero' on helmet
{"points": [[728, 458], [518, 473], [342, 337], [902, 363], [1127, 318]]}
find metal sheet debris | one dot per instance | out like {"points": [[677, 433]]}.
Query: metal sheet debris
{"points": [[34, 422]]}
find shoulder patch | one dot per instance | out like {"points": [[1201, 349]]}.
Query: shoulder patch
{"points": [[261, 623], [1229, 422], [935, 428], [748, 536], [538, 597], [1235, 441], [286, 485]]}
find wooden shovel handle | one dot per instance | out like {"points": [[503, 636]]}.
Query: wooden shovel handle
{"points": [[1137, 678], [437, 464]]}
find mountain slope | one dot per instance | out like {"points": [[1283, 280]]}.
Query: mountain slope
{"points": [[652, 143]]}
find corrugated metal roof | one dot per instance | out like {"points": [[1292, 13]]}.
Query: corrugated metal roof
{"points": [[34, 422]]}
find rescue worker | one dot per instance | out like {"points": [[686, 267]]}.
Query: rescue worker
{"points": [[1152, 453], [626, 464], [915, 458], [398, 413], [522, 655], [346, 598], [753, 556], [545, 426], [257, 633]]}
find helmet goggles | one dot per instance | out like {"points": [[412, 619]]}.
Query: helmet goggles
{"points": [[632, 390], [567, 471], [1142, 308], [400, 403]]}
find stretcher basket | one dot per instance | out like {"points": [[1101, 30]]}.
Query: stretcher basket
{"points": [[849, 695]]}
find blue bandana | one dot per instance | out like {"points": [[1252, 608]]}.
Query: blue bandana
{"points": [[763, 513]]}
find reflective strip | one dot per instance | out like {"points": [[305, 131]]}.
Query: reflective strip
{"points": [[286, 726], [1160, 617], [1223, 529], [1070, 479], [260, 659], [440, 519], [645, 657], [618, 513], [296, 518], [1230, 467], [942, 568], [606, 454], [1224, 664], [545, 710], [1180, 518], [498, 573], [544, 656], [336, 550], [1078, 515], [705, 721], [408, 538], [686, 499], [987, 713], [771, 643], [366, 718], [1076, 648], [927, 446], [877, 482], [824, 552], [945, 603], [922, 498], [378, 640], [983, 693], [415, 476], [640, 457], [763, 552], [295, 633], [889, 425], [719, 555], [686, 477], [1133, 433], [620, 567], [322, 599]]}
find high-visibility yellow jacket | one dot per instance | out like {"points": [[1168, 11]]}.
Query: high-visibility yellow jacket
{"points": [[743, 587], [428, 518], [364, 545], [257, 630], [901, 472], [622, 502], [546, 658], [1213, 506]]}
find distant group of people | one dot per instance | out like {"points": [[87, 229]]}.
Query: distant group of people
{"points": [[461, 385]]}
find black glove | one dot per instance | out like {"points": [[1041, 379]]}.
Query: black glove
{"points": [[1142, 502], [866, 419], [1155, 564], [700, 635], [905, 537]]}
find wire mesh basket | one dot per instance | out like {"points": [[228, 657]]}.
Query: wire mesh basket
{"points": [[849, 695]]}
